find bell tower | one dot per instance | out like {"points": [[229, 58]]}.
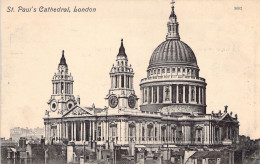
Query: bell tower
{"points": [[121, 94], [62, 98]]}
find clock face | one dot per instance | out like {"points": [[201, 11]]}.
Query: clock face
{"points": [[131, 101], [53, 106], [113, 101]]}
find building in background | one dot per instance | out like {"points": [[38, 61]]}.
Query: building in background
{"points": [[171, 124], [18, 132]]}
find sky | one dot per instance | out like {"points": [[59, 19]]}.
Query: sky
{"points": [[224, 40]]}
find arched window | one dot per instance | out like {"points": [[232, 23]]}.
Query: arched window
{"points": [[122, 63], [163, 133], [155, 133], [143, 133], [131, 131], [150, 131]]}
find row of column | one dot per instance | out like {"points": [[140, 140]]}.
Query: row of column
{"points": [[62, 87], [174, 94], [122, 81], [141, 132], [173, 71], [74, 131]]}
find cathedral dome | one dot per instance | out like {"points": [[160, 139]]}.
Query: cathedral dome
{"points": [[172, 52]]}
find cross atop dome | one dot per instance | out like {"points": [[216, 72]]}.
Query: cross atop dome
{"points": [[172, 13]]}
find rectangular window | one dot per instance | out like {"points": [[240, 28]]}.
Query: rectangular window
{"points": [[168, 70], [158, 71], [179, 70], [163, 70], [122, 81], [173, 70]]}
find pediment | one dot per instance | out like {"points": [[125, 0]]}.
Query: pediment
{"points": [[227, 118], [78, 111]]}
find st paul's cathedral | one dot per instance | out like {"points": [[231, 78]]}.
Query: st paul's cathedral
{"points": [[168, 121]]}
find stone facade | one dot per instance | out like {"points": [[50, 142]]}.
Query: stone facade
{"points": [[171, 119]]}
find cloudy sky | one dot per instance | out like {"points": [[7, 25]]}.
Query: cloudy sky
{"points": [[225, 41]]}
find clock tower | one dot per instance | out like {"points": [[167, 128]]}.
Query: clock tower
{"points": [[62, 98], [121, 94]]}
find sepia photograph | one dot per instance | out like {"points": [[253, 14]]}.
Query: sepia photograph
{"points": [[130, 82]]}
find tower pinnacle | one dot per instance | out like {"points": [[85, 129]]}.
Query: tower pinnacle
{"points": [[122, 50], [63, 60]]}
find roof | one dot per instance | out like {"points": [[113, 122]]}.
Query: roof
{"points": [[172, 52], [206, 154], [122, 50], [63, 60]]}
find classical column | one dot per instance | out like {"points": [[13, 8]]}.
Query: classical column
{"points": [[94, 135], [90, 130], [71, 131], [141, 96], [170, 93], [75, 131], [152, 95], [183, 93], [158, 94], [159, 130], [189, 93], [120, 130], [123, 130], [119, 81], [199, 95], [177, 93], [126, 131], [137, 131], [148, 95], [164, 95], [84, 130], [195, 94], [81, 131]]}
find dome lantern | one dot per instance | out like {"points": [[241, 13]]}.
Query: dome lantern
{"points": [[173, 26]]}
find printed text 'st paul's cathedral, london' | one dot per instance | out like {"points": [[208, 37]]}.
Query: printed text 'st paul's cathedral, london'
{"points": [[169, 124]]}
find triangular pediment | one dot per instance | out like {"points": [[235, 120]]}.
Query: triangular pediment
{"points": [[78, 111], [227, 118]]}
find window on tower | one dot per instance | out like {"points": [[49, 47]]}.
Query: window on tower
{"points": [[116, 84], [122, 81]]}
